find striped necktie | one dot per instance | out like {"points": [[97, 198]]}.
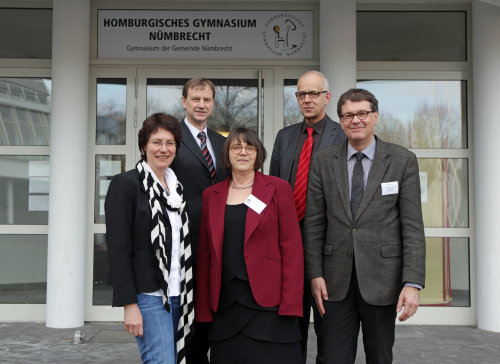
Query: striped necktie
{"points": [[203, 137], [300, 189]]}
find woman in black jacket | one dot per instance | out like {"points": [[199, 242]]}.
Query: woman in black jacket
{"points": [[149, 249]]}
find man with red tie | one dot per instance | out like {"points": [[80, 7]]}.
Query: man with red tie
{"points": [[290, 161]]}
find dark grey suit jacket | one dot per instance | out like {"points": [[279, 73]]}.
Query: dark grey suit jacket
{"points": [[191, 169], [386, 241], [286, 143]]}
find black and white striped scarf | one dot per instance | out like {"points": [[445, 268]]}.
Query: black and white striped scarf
{"points": [[162, 249]]}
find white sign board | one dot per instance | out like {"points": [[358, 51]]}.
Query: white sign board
{"points": [[205, 34]]}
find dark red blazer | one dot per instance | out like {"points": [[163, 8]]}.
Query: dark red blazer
{"points": [[272, 250]]}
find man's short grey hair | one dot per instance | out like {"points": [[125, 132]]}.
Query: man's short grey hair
{"points": [[326, 86]]}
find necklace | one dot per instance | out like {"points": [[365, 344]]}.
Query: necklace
{"points": [[240, 187]]}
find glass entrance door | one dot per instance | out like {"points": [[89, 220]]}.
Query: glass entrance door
{"points": [[122, 100]]}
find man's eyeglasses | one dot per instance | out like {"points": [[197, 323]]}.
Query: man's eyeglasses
{"points": [[236, 149], [159, 144], [301, 95], [362, 115]]}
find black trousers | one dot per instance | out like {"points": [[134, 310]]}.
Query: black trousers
{"points": [[308, 303], [341, 324], [197, 349]]}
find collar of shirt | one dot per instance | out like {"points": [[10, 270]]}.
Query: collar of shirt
{"points": [[319, 127], [170, 178], [194, 131], [369, 151]]}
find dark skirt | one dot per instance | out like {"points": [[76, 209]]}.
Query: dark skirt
{"points": [[244, 332]]}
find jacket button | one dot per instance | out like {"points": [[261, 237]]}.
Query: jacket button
{"points": [[354, 229], [246, 256], [349, 254]]}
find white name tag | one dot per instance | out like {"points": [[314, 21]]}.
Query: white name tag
{"points": [[389, 188], [255, 204]]}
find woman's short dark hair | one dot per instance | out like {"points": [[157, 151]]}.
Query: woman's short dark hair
{"points": [[158, 121], [249, 137], [357, 95]]}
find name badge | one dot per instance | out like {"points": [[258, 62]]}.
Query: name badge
{"points": [[255, 204], [390, 188]]}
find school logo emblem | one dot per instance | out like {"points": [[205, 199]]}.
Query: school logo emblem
{"points": [[284, 35]]}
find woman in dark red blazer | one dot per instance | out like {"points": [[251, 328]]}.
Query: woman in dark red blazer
{"points": [[249, 276]]}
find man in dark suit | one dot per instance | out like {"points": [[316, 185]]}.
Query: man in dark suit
{"points": [[197, 166], [312, 96], [364, 236]]}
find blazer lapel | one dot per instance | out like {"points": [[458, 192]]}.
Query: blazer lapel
{"points": [[289, 147], [190, 143], [329, 134], [217, 209], [264, 191], [341, 177], [217, 150], [377, 172]]}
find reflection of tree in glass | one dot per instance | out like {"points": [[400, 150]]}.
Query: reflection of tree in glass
{"points": [[110, 123], [234, 106], [391, 129], [154, 105], [431, 126], [291, 110], [434, 126], [437, 126]]}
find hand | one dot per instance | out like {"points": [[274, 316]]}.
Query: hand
{"points": [[408, 297], [318, 288], [133, 319]]}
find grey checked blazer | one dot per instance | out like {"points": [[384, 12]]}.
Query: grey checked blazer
{"points": [[386, 241]]}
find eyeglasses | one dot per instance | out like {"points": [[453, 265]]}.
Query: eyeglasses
{"points": [[158, 144], [362, 115], [301, 95], [236, 149]]}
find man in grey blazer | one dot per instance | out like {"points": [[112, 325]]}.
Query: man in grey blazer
{"points": [[194, 172], [312, 96], [364, 236]]}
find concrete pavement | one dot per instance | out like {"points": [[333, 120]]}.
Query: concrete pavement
{"points": [[109, 343]]}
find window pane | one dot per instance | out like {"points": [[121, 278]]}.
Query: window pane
{"points": [[102, 293], [23, 268], [411, 36], [421, 114], [111, 111], [26, 33], [291, 109], [235, 102], [106, 166], [24, 190], [24, 111], [444, 192], [447, 273]]}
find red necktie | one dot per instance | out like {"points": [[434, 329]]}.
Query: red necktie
{"points": [[300, 190]]}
